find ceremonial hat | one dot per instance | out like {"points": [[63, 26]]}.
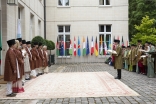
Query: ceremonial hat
{"points": [[116, 40], [11, 42], [19, 39], [128, 46], [35, 43], [40, 44], [147, 42], [123, 47], [28, 42], [23, 41]]}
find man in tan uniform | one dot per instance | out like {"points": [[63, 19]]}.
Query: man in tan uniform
{"points": [[118, 63]]}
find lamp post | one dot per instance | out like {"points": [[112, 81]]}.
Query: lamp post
{"points": [[12, 2]]}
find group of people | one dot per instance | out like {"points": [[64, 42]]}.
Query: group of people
{"points": [[24, 61], [140, 58]]}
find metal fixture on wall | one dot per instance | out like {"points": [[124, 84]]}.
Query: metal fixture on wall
{"points": [[44, 19]]}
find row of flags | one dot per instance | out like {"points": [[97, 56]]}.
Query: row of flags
{"points": [[86, 49]]}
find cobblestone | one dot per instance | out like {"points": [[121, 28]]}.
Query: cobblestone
{"points": [[143, 85]]}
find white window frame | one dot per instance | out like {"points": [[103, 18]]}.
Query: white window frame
{"points": [[63, 4], [64, 33], [104, 3], [105, 33]]}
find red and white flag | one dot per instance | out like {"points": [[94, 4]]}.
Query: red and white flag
{"points": [[74, 46], [92, 47]]}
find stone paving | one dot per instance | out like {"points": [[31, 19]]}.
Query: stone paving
{"points": [[143, 85]]}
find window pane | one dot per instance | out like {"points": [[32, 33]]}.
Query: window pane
{"points": [[101, 2], [108, 40], [67, 2], [101, 28], [61, 38], [107, 2], [67, 28], [60, 2], [108, 28], [60, 28]]}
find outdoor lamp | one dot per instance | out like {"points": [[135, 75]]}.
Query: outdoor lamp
{"points": [[12, 2]]}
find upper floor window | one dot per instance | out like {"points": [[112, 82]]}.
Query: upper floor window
{"points": [[104, 2], [63, 2]]}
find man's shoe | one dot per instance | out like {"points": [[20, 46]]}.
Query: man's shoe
{"points": [[27, 79], [116, 77], [11, 95]]}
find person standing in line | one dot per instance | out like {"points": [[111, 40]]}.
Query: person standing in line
{"points": [[118, 63], [17, 85], [123, 55], [34, 61], [26, 61], [10, 68], [150, 61], [28, 49], [46, 68], [38, 62], [42, 58], [138, 55], [127, 57], [134, 57]]}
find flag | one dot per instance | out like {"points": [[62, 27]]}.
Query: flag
{"points": [[84, 47], [109, 43], [122, 41], [57, 48], [62, 48], [74, 46], [118, 38], [79, 50], [92, 47], [105, 46], [70, 48], [96, 48], [87, 51], [101, 46], [19, 35]]}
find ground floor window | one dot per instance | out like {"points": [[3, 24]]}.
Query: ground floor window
{"points": [[104, 38], [64, 40]]}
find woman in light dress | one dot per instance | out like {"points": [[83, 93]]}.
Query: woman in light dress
{"points": [[45, 53], [27, 69]]}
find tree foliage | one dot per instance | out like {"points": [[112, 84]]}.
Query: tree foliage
{"points": [[50, 44], [38, 39], [137, 10], [145, 31]]}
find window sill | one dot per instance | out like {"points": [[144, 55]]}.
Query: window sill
{"points": [[63, 6], [105, 6], [63, 57]]}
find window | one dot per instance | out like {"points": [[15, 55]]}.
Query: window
{"points": [[32, 31], [64, 39], [19, 13], [63, 2], [104, 37], [104, 2]]}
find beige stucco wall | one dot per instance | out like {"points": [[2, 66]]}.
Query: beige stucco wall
{"points": [[9, 21], [84, 17]]}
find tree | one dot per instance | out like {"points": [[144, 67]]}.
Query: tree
{"points": [[38, 39], [145, 31], [137, 10]]}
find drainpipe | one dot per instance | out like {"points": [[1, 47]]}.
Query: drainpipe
{"points": [[44, 19]]}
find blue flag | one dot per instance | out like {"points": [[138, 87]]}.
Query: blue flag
{"points": [[79, 50], [87, 48], [61, 49]]}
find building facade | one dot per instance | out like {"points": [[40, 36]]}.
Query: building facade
{"points": [[101, 19], [25, 20]]}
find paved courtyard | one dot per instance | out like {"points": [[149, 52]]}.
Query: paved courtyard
{"points": [[146, 87]]}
